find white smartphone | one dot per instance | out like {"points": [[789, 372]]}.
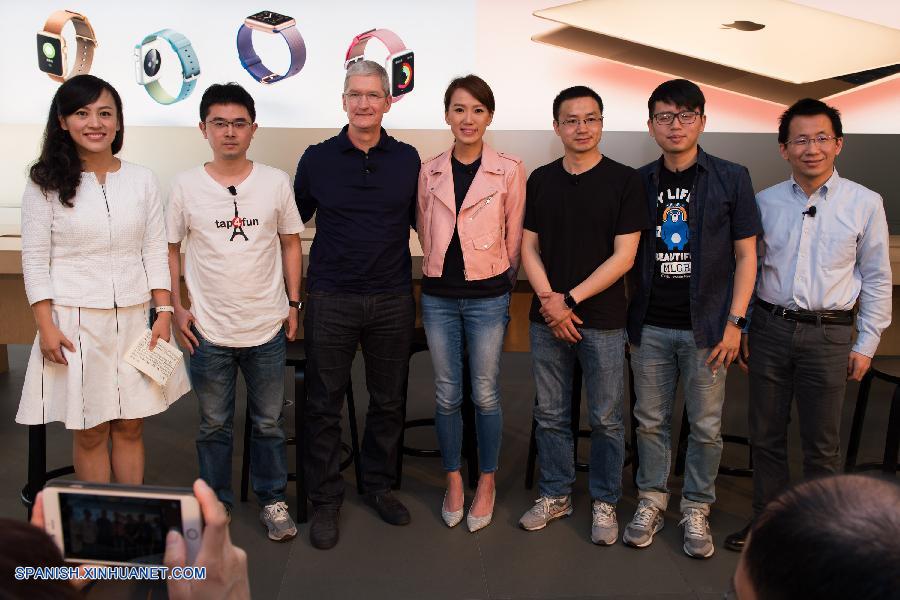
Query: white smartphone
{"points": [[111, 524]]}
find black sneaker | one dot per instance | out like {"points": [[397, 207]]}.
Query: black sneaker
{"points": [[388, 507], [323, 529]]}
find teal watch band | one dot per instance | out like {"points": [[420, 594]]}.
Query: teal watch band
{"points": [[190, 67]]}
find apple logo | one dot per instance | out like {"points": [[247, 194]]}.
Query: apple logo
{"points": [[743, 26]]}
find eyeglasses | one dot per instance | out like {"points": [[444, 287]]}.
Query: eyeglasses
{"points": [[588, 122], [685, 117], [805, 142], [222, 124], [356, 97]]}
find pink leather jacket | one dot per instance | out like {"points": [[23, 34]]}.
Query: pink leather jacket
{"points": [[489, 222]]}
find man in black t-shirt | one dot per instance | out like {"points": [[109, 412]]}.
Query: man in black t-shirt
{"points": [[583, 220], [694, 275]]}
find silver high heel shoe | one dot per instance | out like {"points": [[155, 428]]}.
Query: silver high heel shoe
{"points": [[451, 518], [475, 523]]}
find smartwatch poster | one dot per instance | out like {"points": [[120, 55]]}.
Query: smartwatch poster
{"points": [[515, 45]]}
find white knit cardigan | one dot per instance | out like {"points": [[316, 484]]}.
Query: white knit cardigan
{"points": [[107, 250]]}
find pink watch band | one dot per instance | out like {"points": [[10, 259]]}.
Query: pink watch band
{"points": [[357, 47]]}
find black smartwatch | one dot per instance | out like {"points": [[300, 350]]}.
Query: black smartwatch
{"points": [[570, 301], [740, 322], [298, 304]]}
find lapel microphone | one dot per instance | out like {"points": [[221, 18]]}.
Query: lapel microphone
{"points": [[233, 190], [811, 211]]}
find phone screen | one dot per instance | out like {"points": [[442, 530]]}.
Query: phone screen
{"points": [[117, 528]]}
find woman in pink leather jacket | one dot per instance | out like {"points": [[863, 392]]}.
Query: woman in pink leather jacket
{"points": [[471, 204]]}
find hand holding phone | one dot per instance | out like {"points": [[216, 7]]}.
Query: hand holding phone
{"points": [[109, 524], [226, 564]]}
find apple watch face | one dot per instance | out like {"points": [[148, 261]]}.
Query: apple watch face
{"points": [[151, 63], [148, 60], [402, 74], [270, 18], [50, 54]]}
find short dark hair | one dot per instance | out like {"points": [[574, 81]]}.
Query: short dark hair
{"points": [[808, 107], [476, 86], [829, 539], [227, 93], [578, 91], [680, 92]]}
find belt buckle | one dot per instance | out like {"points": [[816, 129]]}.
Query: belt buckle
{"points": [[780, 311]]}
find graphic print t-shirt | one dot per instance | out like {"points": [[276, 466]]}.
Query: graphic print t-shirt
{"points": [[232, 262], [670, 296]]}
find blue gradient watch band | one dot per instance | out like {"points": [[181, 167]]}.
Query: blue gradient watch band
{"points": [[190, 67]]}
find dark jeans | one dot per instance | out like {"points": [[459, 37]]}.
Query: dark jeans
{"points": [[795, 360], [214, 376], [334, 325]]}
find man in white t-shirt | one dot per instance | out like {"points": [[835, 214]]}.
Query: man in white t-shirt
{"points": [[242, 268]]}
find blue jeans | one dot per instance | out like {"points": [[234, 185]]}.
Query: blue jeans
{"points": [[601, 353], [214, 376], [479, 324], [664, 355]]}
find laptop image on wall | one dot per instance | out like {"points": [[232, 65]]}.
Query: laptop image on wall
{"points": [[768, 49]]}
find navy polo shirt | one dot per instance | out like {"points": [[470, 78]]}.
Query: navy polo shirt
{"points": [[364, 204]]}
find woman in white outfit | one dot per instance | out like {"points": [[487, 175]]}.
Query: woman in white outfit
{"points": [[93, 256]]}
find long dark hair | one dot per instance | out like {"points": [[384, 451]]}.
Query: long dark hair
{"points": [[58, 169]]}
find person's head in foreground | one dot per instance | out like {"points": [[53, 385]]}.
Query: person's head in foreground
{"points": [[835, 538]]}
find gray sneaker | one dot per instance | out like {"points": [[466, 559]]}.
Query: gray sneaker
{"points": [[279, 523], [646, 522], [545, 509], [604, 526], [698, 541]]}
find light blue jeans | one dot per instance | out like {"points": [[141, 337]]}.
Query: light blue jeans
{"points": [[479, 324], [601, 353], [664, 356]]}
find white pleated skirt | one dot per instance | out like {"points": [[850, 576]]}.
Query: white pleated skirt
{"points": [[97, 385]]}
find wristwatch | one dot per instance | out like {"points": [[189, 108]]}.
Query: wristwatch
{"points": [[270, 22], [148, 65], [570, 301], [740, 322], [399, 63], [51, 46], [298, 304]]}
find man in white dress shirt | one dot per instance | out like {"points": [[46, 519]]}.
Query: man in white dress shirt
{"points": [[825, 245]]}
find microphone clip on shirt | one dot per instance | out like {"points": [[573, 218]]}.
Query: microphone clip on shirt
{"points": [[811, 211], [232, 190]]}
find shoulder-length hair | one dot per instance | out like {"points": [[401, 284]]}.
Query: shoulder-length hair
{"points": [[58, 169]]}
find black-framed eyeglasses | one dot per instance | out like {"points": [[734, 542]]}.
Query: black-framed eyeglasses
{"points": [[805, 142], [685, 117]]}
